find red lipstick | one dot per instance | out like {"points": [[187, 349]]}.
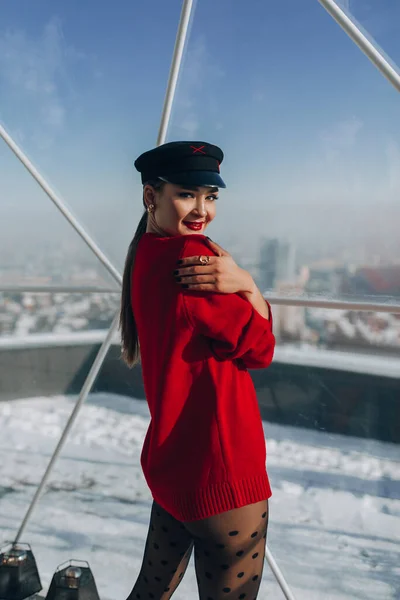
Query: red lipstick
{"points": [[194, 225]]}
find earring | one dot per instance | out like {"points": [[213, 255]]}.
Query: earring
{"points": [[150, 208]]}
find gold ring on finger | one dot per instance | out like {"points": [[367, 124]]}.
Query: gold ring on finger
{"points": [[204, 260]]}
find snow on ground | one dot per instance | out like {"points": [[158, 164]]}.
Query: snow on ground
{"points": [[335, 511]]}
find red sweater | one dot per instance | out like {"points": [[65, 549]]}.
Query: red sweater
{"points": [[204, 451]]}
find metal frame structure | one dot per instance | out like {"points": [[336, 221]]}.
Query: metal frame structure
{"points": [[374, 55], [58, 289]]}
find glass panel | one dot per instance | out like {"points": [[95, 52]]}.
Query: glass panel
{"points": [[312, 164], [338, 391], [359, 336], [333, 458]]}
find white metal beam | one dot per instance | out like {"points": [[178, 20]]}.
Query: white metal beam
{"points": [[275, 299], [55, 289], [310, 302], [353, 30], [73, 221], [87, 386], [183, 29]]}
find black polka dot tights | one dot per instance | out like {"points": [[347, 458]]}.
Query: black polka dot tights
{"points": [[229, 551]]}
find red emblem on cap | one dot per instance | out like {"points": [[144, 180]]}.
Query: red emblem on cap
{"points": [[200, 149]]}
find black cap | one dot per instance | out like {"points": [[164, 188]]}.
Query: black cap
{"points": [[182, 163]]}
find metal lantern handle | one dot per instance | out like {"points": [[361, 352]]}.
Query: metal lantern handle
{"points": [[69, 563]]}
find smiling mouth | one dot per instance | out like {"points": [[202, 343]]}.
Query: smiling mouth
{"points": [[195, 225]]}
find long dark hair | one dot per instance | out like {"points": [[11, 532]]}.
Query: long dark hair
{"points": [[127, 324]]}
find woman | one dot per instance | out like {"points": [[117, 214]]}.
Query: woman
{"points": [[201, 322]]}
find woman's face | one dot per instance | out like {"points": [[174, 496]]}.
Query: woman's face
{"points": [[180, 210]]}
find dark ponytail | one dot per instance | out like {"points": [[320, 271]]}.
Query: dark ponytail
{"points": [[127, 324]]}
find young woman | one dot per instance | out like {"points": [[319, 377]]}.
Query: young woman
{"points": [[201, 323]]}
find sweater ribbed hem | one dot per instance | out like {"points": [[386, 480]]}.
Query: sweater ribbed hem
{"points": [[202, 503]]}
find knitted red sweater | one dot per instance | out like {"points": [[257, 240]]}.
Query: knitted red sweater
{"points": [[204, 451]]}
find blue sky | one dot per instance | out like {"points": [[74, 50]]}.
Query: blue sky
{"points": [[306, 122]]}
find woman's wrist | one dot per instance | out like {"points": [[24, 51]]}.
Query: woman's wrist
{"points": [[253, 295], [249, 286]]}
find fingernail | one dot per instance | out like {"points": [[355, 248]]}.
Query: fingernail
{"points": [[176, 272], [179, 262], [185, 285], [178, 278]]}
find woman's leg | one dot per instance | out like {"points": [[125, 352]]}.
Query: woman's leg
{"points": [[166, 556], [229, 552]]}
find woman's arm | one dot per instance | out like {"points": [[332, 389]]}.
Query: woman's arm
{"points": [[221, 275], [235, 329], [257, 301]]}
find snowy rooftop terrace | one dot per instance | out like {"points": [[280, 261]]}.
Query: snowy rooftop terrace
{"points": [[335, 510]]}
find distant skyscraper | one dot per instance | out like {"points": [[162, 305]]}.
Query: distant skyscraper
{"points": [[277, 263]]}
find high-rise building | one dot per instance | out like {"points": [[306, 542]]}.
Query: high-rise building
{"points": [[277, 263]]}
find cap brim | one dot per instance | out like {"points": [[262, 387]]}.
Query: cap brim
{"points": [[197, 178]]}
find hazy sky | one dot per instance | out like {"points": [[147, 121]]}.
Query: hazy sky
{"points": [[310, 129]]}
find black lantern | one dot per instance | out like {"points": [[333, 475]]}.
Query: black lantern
{"points": [[73, 581], [19, 577]]}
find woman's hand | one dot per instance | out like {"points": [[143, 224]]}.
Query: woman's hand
{"points": [[221, 274]]}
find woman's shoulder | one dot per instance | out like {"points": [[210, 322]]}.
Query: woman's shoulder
{"points": [[196, 244], [183, 245]]}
